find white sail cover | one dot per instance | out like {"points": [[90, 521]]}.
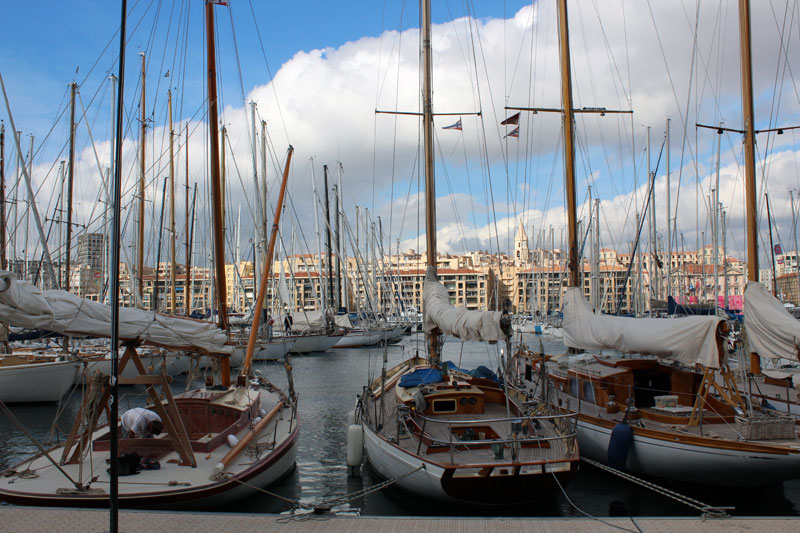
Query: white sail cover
{"points": [[688, 340], [461, 323], [343, 321], [24, 305], [305, 321], [771, 331]]}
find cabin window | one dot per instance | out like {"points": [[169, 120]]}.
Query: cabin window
{"points": [[444, 406], [588, 391]]}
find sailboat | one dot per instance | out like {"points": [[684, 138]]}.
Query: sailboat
{"points": [[655, 413], [219, 443], [443, 433]]}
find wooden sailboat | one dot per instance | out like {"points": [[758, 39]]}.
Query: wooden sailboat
{"points": [[219, 443], [657, 414], [442, 433]]}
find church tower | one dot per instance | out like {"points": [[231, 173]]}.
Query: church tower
{"points": [[521, 251]]}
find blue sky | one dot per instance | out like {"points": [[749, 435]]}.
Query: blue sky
{"points": [[331, 58]]}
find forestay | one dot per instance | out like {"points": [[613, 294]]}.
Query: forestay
{"points": [[461, 323], [24, 305], [771, 331], [687, 340]]}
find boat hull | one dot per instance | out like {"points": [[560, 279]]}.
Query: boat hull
{"points": [[442, 484], [693, 460], [37, 382]]}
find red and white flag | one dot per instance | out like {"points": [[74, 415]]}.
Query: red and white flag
{"points": [[513, 120]]}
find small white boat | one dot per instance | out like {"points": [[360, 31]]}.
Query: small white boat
{"points": [[32, 378]]}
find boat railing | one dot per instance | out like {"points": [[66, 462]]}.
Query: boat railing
{"points": [[524, 430]]}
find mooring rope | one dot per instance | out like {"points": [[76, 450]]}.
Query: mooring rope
{"points": [[325, 505], [707, 510]]}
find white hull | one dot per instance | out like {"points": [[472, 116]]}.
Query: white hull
{"points": [[357, 338], [390, 462], [692, 463], [272, 351], [37, 382]]}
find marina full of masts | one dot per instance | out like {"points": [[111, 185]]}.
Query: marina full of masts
{"points": [[533, 279]]}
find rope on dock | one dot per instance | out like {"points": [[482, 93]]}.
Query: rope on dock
{"points": [[707, 510]]}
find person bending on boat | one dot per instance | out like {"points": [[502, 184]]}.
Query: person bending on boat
{"points": [[142, 423]]}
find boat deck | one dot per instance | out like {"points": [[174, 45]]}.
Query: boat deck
{"points": [[444, 447]]}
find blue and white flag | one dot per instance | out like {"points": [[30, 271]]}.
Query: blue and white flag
{"points": [[456, 126], [514, 133]]}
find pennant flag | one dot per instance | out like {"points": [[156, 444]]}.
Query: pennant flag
{"points": [[514, 133], [456, 126], [778, 249], [513, 120]]}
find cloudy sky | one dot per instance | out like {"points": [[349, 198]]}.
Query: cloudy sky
{"points": [[318, 73]]}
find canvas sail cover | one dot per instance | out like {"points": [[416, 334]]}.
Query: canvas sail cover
{"points": [[771, 331], [343, 321], [304, 321], [24, 305], [461, 323], [687, 340]]}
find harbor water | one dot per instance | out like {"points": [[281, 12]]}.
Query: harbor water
{"points": [[327, 386]]}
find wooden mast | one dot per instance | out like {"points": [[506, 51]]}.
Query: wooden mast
{"points": [[140, 232], [216, 185], [172, 263], [70, 180], [569, 147], [430, 179], [187, 294], [267, 269], [749, 140], [751, 228]]}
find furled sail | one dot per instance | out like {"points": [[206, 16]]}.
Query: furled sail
{"points": [[771, 331], [687, 340], [22, 304], [461, 323], [305, 321]]}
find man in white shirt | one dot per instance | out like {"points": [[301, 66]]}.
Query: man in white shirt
{"points": [[140, 422]]}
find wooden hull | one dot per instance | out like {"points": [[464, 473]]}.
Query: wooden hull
{"points": [[172, 486]]}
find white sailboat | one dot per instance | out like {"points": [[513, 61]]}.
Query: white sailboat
{"points": [[445, 434]]}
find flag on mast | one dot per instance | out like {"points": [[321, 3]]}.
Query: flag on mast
{"points": [[456, 126], [514, 133], [513, 120]]}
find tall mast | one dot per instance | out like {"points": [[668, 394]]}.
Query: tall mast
{"points": [[262, 289], [569, 147], [70, 177], [172, 263], [187, 295], [2, 196], [430, 180], [216, 182], [265, 212], [140, 232], [749, 140], [328, 235], [669, 224]]}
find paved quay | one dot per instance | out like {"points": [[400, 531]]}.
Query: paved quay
{"points": [[64, 520]]}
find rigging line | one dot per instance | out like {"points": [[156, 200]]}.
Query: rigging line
{"points": [[450, 190], [185, 56], [674, 219], [786, 52], [269, 73]]}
